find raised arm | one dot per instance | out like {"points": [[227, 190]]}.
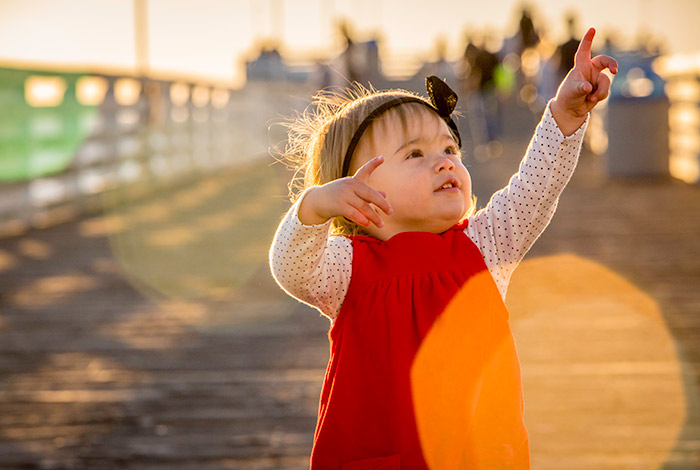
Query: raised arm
{"points": [[516, 215]]}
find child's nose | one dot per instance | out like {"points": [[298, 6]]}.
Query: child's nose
{"points": [[444, 163]]}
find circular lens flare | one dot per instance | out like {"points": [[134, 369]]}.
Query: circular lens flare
{"points": [[595, 350]]}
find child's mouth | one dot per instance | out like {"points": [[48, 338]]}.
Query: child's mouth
{"points": [[448, 186]]}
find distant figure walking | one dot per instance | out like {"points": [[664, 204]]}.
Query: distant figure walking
{"points": [[528, 35], [567, 50], [479, 77], [359, 62]]}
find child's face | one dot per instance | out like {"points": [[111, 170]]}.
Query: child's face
{"points": [[417, 165]]}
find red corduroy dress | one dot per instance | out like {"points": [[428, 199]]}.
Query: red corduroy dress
{"points": [[398, 288]]}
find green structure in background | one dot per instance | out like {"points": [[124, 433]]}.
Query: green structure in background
{"points": [[41, 140]]}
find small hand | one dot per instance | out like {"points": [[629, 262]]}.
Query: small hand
{"points": [[348, 197], [585, 85]]}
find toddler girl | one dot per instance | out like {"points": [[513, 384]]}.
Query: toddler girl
{"points": [[383, 237]]}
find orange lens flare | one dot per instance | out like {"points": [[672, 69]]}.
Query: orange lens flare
{"points": [[466, 385]]}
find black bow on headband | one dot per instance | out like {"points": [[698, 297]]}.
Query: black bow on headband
{"points": [[443, 101]]}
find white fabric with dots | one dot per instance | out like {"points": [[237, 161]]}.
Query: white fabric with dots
{"points": [[316, 268]]}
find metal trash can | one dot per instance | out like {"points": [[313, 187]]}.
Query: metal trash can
{"points": [[637, 121]]}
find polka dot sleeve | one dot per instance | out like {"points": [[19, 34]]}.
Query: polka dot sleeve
{"points": [[516, 215], [310, 265]]}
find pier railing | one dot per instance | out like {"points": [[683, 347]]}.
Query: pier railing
{"points": [[76, 142]]}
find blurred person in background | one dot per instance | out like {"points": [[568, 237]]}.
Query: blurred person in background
{"points": [[359, 62], [351, 57], [478, 68], [547, 78], [467, 63], [567, 50], [526, 30]]}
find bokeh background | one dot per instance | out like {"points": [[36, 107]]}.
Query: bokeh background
{"points": [[140, 189]]}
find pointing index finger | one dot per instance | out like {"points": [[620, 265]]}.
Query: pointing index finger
{"points": [[584, 47], [367, 169]]}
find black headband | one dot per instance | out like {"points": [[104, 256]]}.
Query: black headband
{"points": [[443, 100]]}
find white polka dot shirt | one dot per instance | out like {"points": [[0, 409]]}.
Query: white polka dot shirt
{"points": [[316, 268]]}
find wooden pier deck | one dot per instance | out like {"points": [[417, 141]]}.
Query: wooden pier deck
{"points": [[152, 337]]}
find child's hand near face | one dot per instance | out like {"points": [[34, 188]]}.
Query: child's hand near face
{"points": [[584, 86], [348, 197]]}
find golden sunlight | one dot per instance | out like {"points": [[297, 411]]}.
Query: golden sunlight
{"points": [[127, 91], [90, 91], [34, 249], [600, 372], [42, 91], [7, 260], [598, 353], [47, 290]]}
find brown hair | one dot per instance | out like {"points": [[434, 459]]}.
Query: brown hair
{"points": [[319, 136]]}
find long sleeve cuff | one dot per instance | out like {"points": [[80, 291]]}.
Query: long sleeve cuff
{"points": [[548, 116], [294, 214]]}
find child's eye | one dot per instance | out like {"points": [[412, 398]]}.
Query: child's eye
{"points": [[415, 154], [452, 150]]}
